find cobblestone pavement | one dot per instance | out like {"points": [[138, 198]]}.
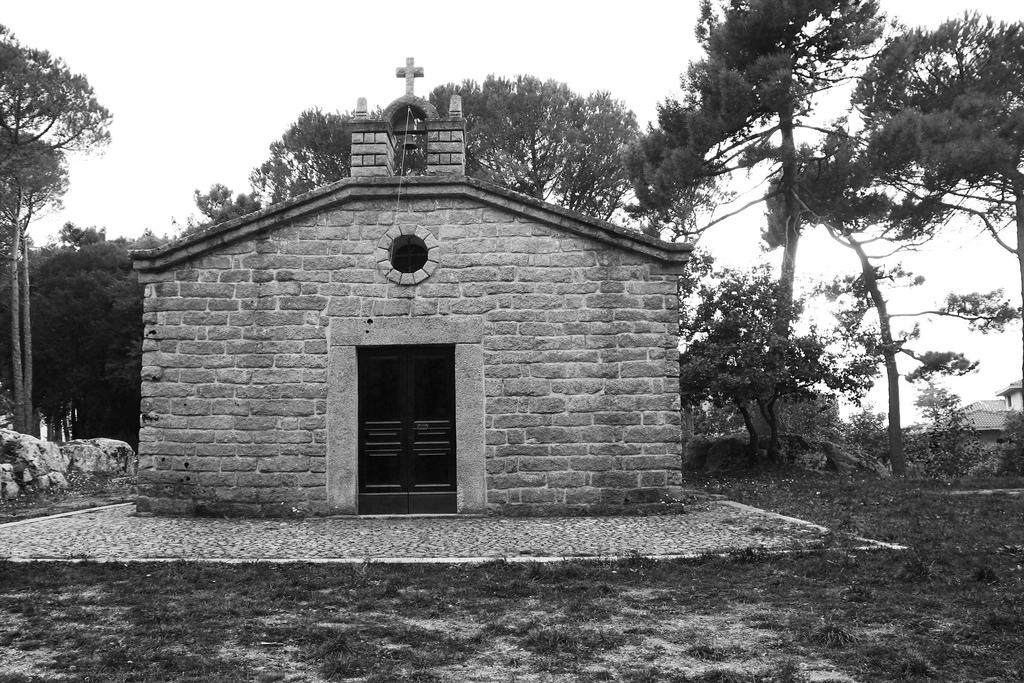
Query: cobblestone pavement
{"points": [[115, 533]]}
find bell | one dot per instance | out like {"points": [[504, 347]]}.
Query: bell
{"points": [[410, 134]]}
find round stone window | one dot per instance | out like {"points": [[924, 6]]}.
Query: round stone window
{"points": [[407, 255]]}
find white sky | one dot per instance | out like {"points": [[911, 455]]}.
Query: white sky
{"points": [[198, 91]]}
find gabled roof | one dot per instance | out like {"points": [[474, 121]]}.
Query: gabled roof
{"points": [[1014, 386], [671, 255], [987, 415]]}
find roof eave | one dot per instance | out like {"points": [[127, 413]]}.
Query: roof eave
{"points": [[1014, 386], [669, 257]]}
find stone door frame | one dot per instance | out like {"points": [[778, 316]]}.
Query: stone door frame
{"points": [[346, 335]]}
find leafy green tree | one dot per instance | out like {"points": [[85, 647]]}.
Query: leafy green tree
{"points": [[815, 419], [735, 354], [221, 204], [37, 185], [864, 314], [867, 431], [950, 445], [944, 116], [87, 313], [314, 151], [531, 136], [544, 140], [46, 112], [743, 105], [843, 190]]}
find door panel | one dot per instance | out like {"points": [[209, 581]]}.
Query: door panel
{"points": [[406, 430]]}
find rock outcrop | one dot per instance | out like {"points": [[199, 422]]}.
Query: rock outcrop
{"points": [[30, 463], [100, 456], [731, 453]]}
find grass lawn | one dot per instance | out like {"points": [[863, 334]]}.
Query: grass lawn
{"points": [[951, 608]]}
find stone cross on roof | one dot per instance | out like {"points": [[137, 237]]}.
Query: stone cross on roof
{"points": [[409, 73]]}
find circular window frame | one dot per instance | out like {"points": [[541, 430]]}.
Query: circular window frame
{"points": [[382, 254]]}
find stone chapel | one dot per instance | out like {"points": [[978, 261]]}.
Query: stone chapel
{"points": [[391, 344]]}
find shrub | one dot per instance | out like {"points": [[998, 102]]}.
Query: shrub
{"points": [[1010, 454], [867, 432], [949, 446]]}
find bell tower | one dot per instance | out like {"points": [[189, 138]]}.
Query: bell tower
{"points": [[412, 122]]}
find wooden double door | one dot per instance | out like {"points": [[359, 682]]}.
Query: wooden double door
{"points": [[407, 430]]}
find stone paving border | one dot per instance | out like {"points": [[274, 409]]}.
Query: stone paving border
{"points": [[83, 511], [114, 533], [984, 492], [869, 544]]}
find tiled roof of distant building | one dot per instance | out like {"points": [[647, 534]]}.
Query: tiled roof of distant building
{"points": [[987, 415]]}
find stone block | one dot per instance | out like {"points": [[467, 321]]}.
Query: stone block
{"points": [[190, 407], [275, 375], [592, 463], [549, 404], [522, 449], [628, 386], [599, 433], [550, 435], [229, 406], [283, 464], [643, 434], [526, 387], [215, 479], [615, 449], [544, 495], [572, 419], [267, 479], [196, 376], [201, 347], [617, 418], [543, 464], [211, 422], [577, 387], [512, 420], [497, 482], [567, 480], [582, 496], [655, 478]]}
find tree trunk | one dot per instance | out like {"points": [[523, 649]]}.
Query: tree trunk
{"points": [[32, 424], [1019, 204], [771, 418], [791, 203], [17, 369], [755, 438], [889, 350]]}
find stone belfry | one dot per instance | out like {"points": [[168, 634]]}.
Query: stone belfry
{"points": [[413, 120]]}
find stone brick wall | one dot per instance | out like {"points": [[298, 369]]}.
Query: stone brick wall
{"points": [[580, 374]]}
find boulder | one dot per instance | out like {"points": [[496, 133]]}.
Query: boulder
{"points": [[100, 456], [825, 456], [54, 480], [28, 462], [8, 486], [729, 453], [718, 454], [31, 459]]}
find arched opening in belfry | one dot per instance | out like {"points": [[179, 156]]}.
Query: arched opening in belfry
{"points": [[409, 125]]}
